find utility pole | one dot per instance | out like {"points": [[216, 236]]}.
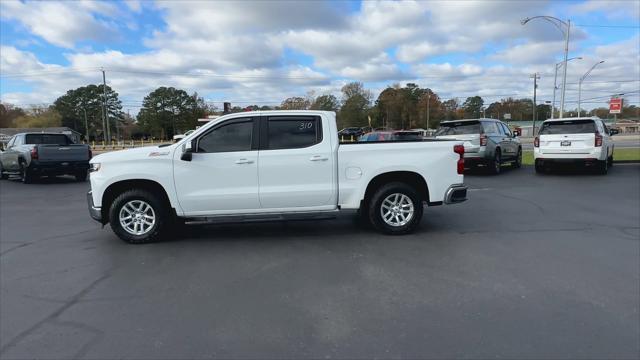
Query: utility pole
{"points": [[535, 77], [105, 116], [428, 110], [86, 124]]}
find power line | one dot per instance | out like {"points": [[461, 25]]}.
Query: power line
{"points": [[610, 26]]}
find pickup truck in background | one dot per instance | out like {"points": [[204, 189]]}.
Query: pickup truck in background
{"points": [[272, 165], [31, 155]]}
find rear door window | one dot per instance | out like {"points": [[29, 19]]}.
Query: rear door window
{"points": [[568, 127], [459, 128], [293, 132]]}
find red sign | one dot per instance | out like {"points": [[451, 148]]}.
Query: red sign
{"points": [[615, 106]]}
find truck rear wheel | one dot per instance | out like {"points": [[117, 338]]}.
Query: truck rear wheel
{"points": [[139, 217], [26, 176], [395, 209]]}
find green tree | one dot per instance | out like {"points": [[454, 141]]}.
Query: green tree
{"points": [[409, 107], [326, 103], [295, 103], [40, 118], [8, 114], [473, 106], [355, 105], [74, 103], [168, 111], [450, 108]]}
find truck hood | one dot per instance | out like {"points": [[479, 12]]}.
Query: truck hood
{"points": [[133, 154]]}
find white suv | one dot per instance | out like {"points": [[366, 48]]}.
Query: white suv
{"points": [[585, 141]]}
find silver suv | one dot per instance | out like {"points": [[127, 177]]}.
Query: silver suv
{"points": [[487, 142]]}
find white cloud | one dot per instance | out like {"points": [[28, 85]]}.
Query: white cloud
{"points": [[60, 23], [247, 42], [616, 9]]}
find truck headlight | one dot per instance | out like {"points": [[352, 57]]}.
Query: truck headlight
{"points": [[93, 167]]}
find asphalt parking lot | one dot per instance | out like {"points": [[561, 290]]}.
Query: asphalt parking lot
{"points": [[532, 266]]}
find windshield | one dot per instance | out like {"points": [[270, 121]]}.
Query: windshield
{"points": [[568, 127], [459, 128]]}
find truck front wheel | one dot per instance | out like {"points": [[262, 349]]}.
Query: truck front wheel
{"points": [[395, 209], [138, 216]]}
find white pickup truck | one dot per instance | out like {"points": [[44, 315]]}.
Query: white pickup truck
{"points": [[272, 165]]}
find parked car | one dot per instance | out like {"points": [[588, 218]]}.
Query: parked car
{"points": [[487, 142], [31, 155], [582, 141], [179, 137], [350, 132], [398, 135], [272, 165]]}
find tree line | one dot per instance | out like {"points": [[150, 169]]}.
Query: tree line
{"points": [[167, 111]]}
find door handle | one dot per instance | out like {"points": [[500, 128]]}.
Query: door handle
{"points": [[244, 161], [318, 158]]}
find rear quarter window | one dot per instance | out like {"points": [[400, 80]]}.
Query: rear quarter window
{"points": [[568, 127]]}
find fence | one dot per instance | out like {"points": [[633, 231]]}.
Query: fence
{"points": [[124, 144]]}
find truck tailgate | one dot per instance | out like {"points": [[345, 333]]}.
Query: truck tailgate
{"points": [[74, 152]]}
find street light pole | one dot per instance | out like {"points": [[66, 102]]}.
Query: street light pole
{"points": [[555, 84], [580, 85], [558, 23], [564, 70]]}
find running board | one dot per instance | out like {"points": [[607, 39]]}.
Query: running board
{"points": [[264, 217]]}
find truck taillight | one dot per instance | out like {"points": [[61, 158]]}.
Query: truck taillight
{"points": [[536, 142], [34, 153], [598, 140], [483, 140], [459, 149]]}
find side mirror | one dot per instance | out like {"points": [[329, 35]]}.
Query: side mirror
{"points": [[613, 132], [187, 151]]}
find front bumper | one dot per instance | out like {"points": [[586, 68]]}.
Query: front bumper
{"points": [[455, 194], [94, 212]]}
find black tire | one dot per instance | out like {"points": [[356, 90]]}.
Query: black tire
{"points": [[3, 176], [26, 176], [495, 166], [610, 161], [539, 168], [161, 211], [603, 167], [81, 176], [518, 163], [375, 205]]}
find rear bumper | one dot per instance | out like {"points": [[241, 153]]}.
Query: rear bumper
{"points": [[59, 167], [94, 212], [455, 194], [588, 162]]}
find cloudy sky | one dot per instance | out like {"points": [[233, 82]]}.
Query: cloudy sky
{"points": [[262, 52]]}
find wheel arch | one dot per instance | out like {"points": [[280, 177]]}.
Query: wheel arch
{"points": [[117, 188], [413, 179]]}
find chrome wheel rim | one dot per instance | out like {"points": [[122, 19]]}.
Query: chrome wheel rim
{"points": [[137, 217], [397, 210]]}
